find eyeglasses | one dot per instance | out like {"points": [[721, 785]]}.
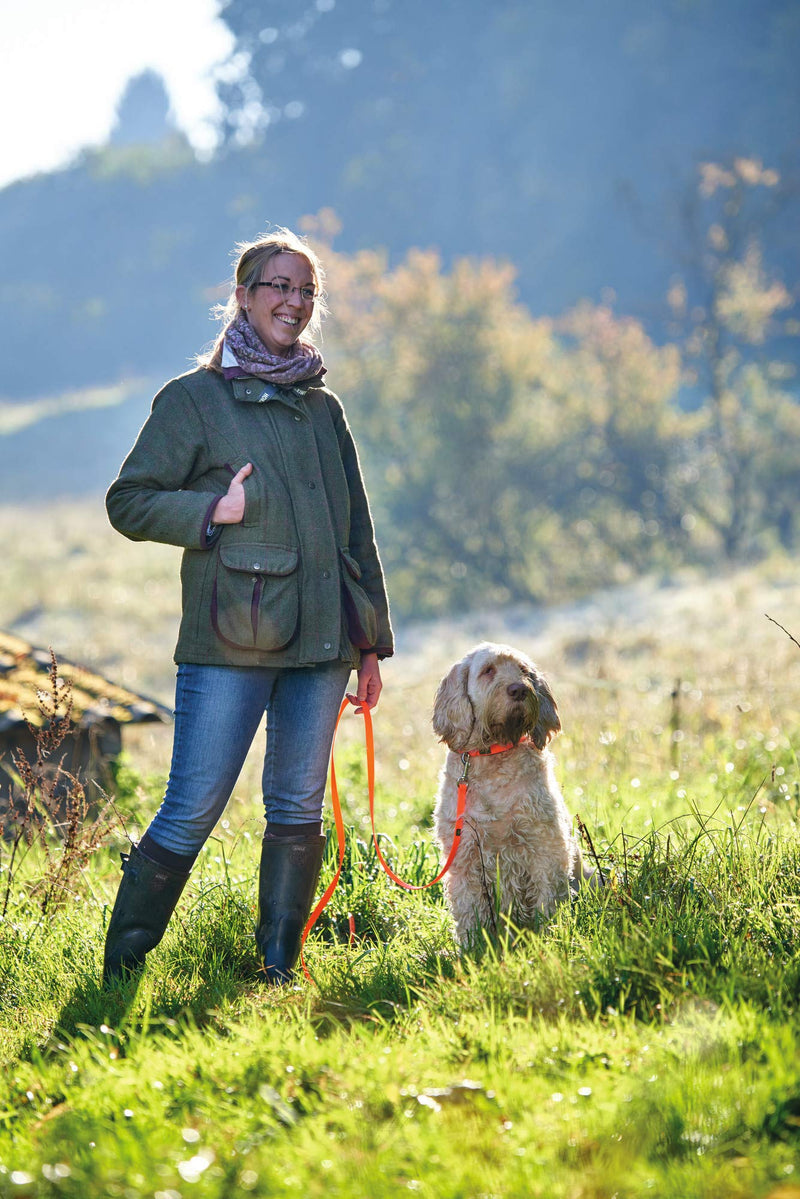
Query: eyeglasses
{"points": [[281, 288]]}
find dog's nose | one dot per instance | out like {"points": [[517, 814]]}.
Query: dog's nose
{"points": [[516, 691]]}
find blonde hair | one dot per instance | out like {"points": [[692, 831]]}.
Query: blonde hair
{"points": [[252, 260]]}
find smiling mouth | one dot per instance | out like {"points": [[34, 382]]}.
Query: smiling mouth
{"points": [[287, 320]]}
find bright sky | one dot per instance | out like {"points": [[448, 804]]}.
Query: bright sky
{"points": [[65, 64]]}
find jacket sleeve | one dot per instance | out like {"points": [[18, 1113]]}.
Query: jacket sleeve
{"points": [[362, 533], [152, 498]]}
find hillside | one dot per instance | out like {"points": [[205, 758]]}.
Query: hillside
{"points": [[563, 138]]}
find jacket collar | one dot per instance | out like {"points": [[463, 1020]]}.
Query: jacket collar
{"points": [[256, 391]]}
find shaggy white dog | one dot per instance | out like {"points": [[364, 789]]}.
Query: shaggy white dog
{"points": [[517, 850]]}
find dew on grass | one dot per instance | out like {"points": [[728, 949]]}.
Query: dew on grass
{"points": [[191, 1169], [190, 1135]]}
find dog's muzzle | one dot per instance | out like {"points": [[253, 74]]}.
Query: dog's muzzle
{"points": [[520, 711]]}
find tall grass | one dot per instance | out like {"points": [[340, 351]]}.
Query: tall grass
{"points": [[645, 1040]]}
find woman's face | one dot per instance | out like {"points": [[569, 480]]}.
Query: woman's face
{"points": [[276, 307]]}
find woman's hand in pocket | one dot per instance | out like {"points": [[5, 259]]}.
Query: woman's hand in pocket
{"points": [[230, 509]]}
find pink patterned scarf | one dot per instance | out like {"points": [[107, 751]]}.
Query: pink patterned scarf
{"points": [[244, 353]]}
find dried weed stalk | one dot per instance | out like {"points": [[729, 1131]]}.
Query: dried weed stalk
{"points": [[51, 809]]}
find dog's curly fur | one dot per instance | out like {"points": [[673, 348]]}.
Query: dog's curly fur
{"points": [[517, 838]]}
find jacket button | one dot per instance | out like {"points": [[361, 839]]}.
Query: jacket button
{"points": [[326, 574], [297, 416], [312, 486], [327, 645], [256, 566], [247, 391]]}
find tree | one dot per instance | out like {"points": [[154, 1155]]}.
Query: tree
{"points": [[620, 471], [509, 458], [736, 319], [431, 364]]}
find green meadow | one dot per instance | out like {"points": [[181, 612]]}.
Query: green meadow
{"points": [[645, 1041]]}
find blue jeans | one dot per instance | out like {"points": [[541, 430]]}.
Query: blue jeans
{"points": [[217, 712]]}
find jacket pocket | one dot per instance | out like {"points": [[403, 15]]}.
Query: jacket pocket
{"points": [[362, 622], [255, 597]]}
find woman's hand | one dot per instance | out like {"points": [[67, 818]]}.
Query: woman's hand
{"points": [[369, 680], [230, 509]]}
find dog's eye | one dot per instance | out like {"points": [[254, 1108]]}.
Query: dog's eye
{"points": [[488, 672]]}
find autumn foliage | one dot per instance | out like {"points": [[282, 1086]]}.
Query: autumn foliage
{"points": [[515, 458]]}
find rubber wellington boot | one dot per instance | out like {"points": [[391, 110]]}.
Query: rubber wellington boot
{"points": [[287, 881], [145, 901]]}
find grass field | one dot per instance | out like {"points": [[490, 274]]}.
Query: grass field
{"points": [[645, 1042]]}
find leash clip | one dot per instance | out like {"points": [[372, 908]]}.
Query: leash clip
{"points": [[465, 757]]}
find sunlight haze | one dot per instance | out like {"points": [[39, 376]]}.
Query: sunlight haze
{"points": [[65, 67]]}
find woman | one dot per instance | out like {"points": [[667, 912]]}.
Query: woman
{"points": [[247, 463]]}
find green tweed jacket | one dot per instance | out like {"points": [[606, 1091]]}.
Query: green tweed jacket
{"points": [[299, 581]]}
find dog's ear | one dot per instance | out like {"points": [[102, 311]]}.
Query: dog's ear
{"points": [[547, 722], [453, 714]]}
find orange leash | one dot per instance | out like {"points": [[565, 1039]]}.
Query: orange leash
{"points": [[461, 808], [461, 805]]}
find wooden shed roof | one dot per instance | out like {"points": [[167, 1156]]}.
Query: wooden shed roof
{"points": [[25, 671]]}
